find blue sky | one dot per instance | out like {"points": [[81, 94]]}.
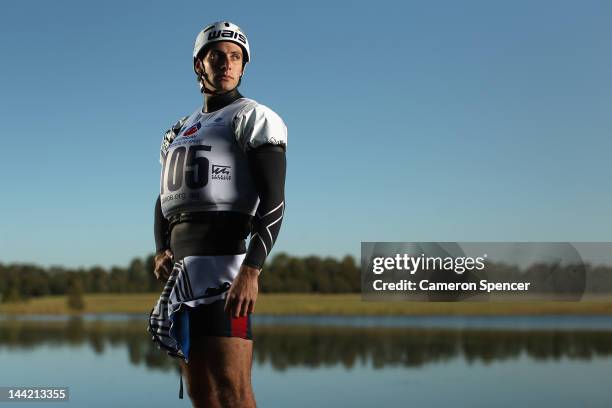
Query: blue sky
{"points": [[408, 121]]}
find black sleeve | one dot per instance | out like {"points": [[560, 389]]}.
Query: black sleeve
{"points": [[268, 166], [160, 229]]}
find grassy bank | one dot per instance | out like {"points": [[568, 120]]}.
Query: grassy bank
{"points": [[315, 304]]}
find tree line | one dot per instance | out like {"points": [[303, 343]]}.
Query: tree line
{"points": [[283, 273]]}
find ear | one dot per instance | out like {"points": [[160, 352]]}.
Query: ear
{"points": [[198, 66]]}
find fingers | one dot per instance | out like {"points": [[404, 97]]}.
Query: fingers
{"points": [[243, 306], [169, 265], [165, 274], [238, 306], [241, 297], [161, 273], [251, 308], [231, 304], [163, 267]]}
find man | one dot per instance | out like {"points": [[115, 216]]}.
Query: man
{"points": [[223, 174]]}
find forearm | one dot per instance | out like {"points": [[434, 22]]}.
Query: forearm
{"points": [[268, 168], [161, 229]]}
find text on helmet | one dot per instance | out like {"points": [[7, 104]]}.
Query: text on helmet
{"points": [[213, 35]]}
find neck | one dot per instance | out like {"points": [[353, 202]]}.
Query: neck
{"points": [[216, 102]]}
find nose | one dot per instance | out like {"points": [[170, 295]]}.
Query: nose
{"points": [[224, 63]]}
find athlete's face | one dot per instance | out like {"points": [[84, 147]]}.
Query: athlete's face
{"points": [[223, 66]]}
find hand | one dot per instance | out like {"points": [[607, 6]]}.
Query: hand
{"points": [[242, 295], [163, 265]]}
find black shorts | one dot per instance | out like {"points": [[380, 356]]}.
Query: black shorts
{"points": [[212, 320]]}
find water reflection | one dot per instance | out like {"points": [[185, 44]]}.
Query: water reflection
{"points": [[287, 346]]}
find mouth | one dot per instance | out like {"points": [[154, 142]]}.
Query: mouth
{"points": [[224, 78]]}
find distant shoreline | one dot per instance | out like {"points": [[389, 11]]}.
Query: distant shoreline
{"points": [[318, 304]]}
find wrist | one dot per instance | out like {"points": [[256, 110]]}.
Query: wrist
{"points": [[251, 271], [252, 263], [160, 252]]}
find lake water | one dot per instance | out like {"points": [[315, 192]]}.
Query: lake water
{"points": [[551, 361]]}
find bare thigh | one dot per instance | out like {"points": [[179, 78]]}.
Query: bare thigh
{"points": [[219, 372]]}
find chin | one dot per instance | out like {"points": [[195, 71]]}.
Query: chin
{"points": [[222, 89]]}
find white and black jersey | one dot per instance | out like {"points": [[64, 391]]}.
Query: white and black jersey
{"points": [[205, 167], [222, 178]]}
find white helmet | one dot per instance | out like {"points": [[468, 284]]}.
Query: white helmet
{"points": [[221, 31]]}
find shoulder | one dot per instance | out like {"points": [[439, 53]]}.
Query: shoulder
{"points": [[171, 133], [256, 124], [252, 108]]}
